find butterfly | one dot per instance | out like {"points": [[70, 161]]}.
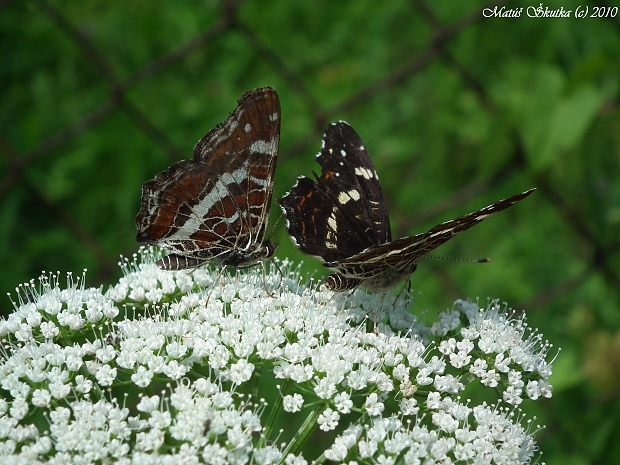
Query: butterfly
{"points": [[215, 207], [341, 218]]}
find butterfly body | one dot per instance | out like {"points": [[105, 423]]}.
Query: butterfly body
{"points": [[215, 207]]}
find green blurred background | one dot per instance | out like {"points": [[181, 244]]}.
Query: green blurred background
{"points": [[457, 111]]}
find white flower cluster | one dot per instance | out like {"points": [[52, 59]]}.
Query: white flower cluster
{"points": [[452, 437], [169, 366]]}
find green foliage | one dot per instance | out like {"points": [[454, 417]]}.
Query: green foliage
{"points": [[503, 105]]}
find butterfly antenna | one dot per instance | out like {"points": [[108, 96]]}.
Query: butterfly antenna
{"points": [[277, 226], [473, 260]]}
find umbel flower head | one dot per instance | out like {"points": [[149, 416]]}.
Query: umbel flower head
{"points": [[177, 367]]}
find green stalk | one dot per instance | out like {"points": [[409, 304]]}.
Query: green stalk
{"points": [[276, 410], [304, 432]]}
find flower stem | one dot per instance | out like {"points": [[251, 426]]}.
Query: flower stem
{"points": [[304, 432], [276, 410]]}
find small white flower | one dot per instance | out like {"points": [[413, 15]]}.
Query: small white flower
{"points": [[174, 370], [514, 378], [373, 406], [238, 438], [512, 395], [267, 455], [41, 397], [176, 350], [343, 402], [137, 294], [328, 420], [160, 419], [479, 367], [423, 378], [490, 378], [241, 371], [447, 346], [433, 401], [385, 460], [300, 373], [502, 363], [325, 389], [459, 360], [105, 375], [441, 447], [407, 388], [82, 384], [401, 372], [545, 388], [367, 448], [59, 390], [215, 454], [24, 333], [448, 384], [19, 409], [148, 404], [105, 354], [142, 377], [445, 421], [295, 460], [409, 406], [150, 441], [293, 403], [49, 330], [337, 452]]}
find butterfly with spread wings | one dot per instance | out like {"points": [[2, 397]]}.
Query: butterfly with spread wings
{"points": [[342, 218], [216, 206]]}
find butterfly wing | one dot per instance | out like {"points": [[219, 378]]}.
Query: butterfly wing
{"points": [[220, 201], [343, 211], [380, 267], [244, 150]]}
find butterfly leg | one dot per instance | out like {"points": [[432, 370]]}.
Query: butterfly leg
{"points": [[407, 285], [264, 274], [279, 273], [377, 313], [217, 278]]}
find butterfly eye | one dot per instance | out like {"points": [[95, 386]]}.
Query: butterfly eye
{"points": [[270, 250]]}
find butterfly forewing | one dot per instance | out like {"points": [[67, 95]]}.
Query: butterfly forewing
{"points": [[244, 151], [216, 207], [397, 258], [344, 210], [359, 196]]}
